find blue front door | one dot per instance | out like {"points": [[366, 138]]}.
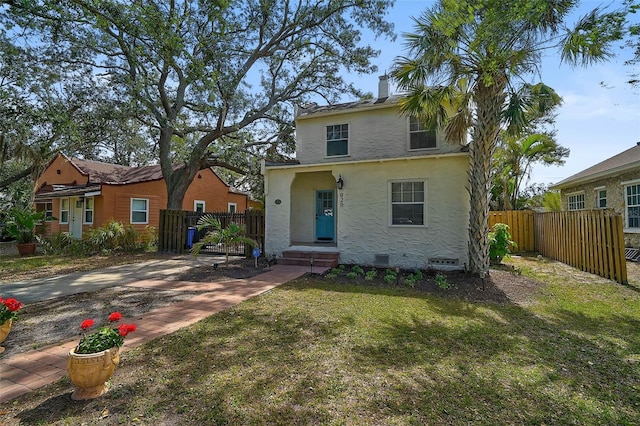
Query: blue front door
{"points": [[325, 213]]}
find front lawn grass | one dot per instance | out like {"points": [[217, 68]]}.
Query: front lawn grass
{"points": [[311, 352]]}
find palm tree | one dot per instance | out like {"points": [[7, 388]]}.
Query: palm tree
{"points": [[491, 45], [231, 235]]}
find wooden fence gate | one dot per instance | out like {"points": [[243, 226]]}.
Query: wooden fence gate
{"points": [[177, 230]]}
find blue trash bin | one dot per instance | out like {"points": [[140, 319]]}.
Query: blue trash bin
{"points": [[191, 232]]}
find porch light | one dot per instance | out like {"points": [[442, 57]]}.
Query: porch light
{"points": [[340, 182]]}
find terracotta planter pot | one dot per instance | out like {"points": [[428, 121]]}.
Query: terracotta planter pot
{"points": [[5, 328], [89, 372], [27, 249]]}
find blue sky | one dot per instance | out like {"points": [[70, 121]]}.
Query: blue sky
{"points": [[594, 122]]}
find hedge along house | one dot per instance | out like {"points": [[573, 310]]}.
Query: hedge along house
{"points": [[611, 184], [81, 194], [369, 186]]}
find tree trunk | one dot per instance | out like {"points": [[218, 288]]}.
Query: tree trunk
{"points": [[177, 181], [489, 102]]}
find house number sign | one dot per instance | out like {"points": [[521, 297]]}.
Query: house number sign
{"points": [[341, 199]]}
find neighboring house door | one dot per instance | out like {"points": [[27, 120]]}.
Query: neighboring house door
{"points": [[75, 221], [325, 214]]}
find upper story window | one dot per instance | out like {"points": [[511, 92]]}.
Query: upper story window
{"points": [[337, 140], [64, 210], [407, 203], [139, 210], [198, 206], [421, 135], [575, 201], [601, 198], [88, 210], [232, 207], [632, 201]]}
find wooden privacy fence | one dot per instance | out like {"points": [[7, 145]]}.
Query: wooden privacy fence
{"points": [[590, 240], [175, 226], [520, 226]]}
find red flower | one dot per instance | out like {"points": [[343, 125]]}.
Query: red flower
{"points": [[87, 324], [116, 316], [125, 329], [12, 304]]}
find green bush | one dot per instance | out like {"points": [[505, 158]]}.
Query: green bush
{"points": [[371, 275], [352, 275], [358, 270], [441, 282], [500, 242]]}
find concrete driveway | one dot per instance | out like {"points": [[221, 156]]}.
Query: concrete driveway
{"points": [[35, 290]]}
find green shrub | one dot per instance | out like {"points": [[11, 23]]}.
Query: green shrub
{"points": [[500, 242], [352, 275], [390, 276], [371, 275], [331, 275], [358, 270], [441, 282]]}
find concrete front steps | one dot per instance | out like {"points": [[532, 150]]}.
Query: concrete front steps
{"points": [[302, 257]]}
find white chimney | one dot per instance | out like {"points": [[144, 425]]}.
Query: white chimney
{"points": [[383, 87]]}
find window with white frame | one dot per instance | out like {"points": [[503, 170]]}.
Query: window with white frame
{"points": [[632, 201], [232, 207], [64, 210], [408, 203], [88, 210], [601, 198], [139, 210], [337, 140], [421, 135], [575, 201], [198, 206], [47, 208]]}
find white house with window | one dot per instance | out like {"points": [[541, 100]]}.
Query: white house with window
{"points": [[370, 185], [611, 184]]}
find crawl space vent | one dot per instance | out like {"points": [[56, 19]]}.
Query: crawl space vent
{"points": [[443, 261], [381, 259]]}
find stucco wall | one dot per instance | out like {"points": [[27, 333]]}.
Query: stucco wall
{"points": [[363, 211], [379, 133], [615, 199]]}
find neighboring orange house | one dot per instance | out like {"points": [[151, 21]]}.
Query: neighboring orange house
{"points": [[81, 194]]}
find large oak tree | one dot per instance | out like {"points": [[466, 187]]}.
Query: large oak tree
{"points": [[201, 72]]}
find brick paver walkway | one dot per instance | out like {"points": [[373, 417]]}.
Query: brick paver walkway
{"points": [[24, 372]]}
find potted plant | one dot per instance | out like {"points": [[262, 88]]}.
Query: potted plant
{"points": [[92, 362], [22, 227], [8, 313]]}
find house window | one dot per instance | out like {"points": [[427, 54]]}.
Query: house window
{"points": [[576, 201], [601, 198], [337, 140], [88, 210], [139, 210], [632, 199], [421, 135], [407, 203], [232, 207], [47, 208], [64, 210], [198, 206]]}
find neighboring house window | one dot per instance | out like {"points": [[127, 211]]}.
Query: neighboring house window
{"points": [[576, 201], [88, 210], [421, 135], [64, 210], [139, 210], [233, 207], [632, 193], [601, 198], [198, 206], [407, 203], [337, 140], [48, 211]]}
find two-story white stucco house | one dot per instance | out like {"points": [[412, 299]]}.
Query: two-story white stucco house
{"points": [[371, 186]]}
